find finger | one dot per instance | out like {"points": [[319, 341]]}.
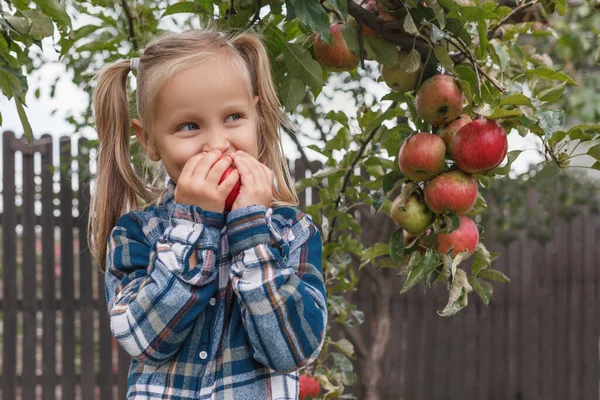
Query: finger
{"points": [[218, 169], [246, 173], [204, 167], [190, 165], [227, 185]]}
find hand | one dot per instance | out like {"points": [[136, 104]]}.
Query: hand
{"points": [[257, 181], [198, 182]]}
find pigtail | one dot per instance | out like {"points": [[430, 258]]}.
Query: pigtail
{"points": [[117, 187], [270, 116]]}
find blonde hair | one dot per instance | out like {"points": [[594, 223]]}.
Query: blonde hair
{"points": [[119, 188]]}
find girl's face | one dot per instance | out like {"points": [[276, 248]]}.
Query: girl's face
{"points": [[199, 109]]}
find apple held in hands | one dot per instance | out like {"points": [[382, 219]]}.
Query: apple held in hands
{"points": [[479, 146], [234, 192]]}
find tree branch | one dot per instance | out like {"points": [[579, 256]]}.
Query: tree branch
{"points": [[294, 138], [517, 10], [391, 31], [350, 171], [356, 339], [256, 16], [132, 37], [313, 116]]}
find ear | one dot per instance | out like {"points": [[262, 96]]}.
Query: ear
{"points": [[144, 139]]}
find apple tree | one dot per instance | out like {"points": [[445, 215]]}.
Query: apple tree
{"points": [[420, 95]]}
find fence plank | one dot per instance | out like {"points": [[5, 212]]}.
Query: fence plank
{"points": [[561, 312], [86, 311], [48, 276], [67, 272], [589, 300], [29, 285], [9, 275], [574, 283]]}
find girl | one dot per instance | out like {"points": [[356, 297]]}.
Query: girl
{"points": [[210, 305]]}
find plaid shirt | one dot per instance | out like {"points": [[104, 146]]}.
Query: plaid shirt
{"points": [[236, 326]]}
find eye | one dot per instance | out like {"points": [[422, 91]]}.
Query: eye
{"points": [[190, 126], [234, 117]]}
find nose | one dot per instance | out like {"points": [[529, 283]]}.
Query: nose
{"points": [[215, 139]]}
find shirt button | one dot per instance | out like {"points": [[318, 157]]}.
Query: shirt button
{"points": [[203, 355], [196, 227], [212, 301]]}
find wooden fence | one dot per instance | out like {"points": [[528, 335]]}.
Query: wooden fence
{"points": [[537, 340]]}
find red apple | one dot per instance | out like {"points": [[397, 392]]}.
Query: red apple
{"points": [[309, 386], [448, 132], [415, 217], [234, 192], [337, 57], [454, 192], [422, 156], [466, 237], [479, 146], [439, 100]]}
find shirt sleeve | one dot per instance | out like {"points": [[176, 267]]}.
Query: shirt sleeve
{"points": [[153, 296], [281, 292]]}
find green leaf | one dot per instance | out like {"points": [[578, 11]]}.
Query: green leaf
{"points": [[501, 113], [494, 275], [41, 24], [473, 13], [512, 156], [437, 34], [84, 31], [550, 74], [56, 11], [552, 93], [396, 245], [483, 289], [19, 24], [377, 250], [328, 171], [409, 25], [341, 6], [24, 120], [383, 51], [427, 265], [444, 58], [582, 129], [517, 99], [20, 4], [561, 6], [411, 63], [345, 346], [338, 116], [551, 121], [458, 296], [594, 152], [483, 259], [557, 138], [314, 16], [182, 7], [300, 63], [292, 91]]}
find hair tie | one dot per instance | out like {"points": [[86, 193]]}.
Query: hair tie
{"points": [[134, 64]]}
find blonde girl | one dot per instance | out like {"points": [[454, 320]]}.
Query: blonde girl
{"points": [[210, 304]]}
